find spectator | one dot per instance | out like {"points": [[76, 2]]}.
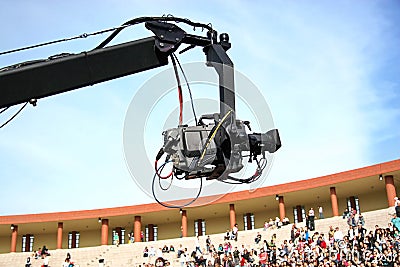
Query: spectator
{"points": [[278, 223], [36, 254], [165, 249], [351, 220], [45, 260], [45, 251], [159, 262], [182, 259], [171, 248], [227, 235], [145, 252], [197, 244], [159, 253], [236, 256], [152, 252], [346, 213], [28, 262], [361, 220], [141, 236], [320, 212], [266, 225], [257, 239], [116, 239], [180, 251], [271, 223], [131, 237], [208, 244], [263, 258], [338, 235], [68, 263], [294, 232], [235, 232], [220, 249], [286, 221], [311, 217]]}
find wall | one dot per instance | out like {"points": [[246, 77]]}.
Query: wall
{"points": [[169, 230], [48, 240], [373, 201], [261, 216], [5, 243], [90, 239]]}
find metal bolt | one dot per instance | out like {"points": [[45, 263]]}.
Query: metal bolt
{"points": [[176, 39], [162, 36], [162, 44]]}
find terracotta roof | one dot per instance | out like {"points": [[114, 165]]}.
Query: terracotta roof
{"points": [[327, 180]]}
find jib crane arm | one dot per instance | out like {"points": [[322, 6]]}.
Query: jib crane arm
{"points": [[65, 72]]}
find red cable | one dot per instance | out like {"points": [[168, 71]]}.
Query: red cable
{"points": [[180, 97], [158, 174], [180, 104]]}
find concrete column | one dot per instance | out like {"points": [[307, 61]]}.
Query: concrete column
{"points": [[232, 215], [59, 235], [334, 202], [282, 213], [104, 231], [390, 190], [184, 223], [14, 237], [137, 228]]}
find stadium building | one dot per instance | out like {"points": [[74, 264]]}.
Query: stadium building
{"points": [[365, 189]]}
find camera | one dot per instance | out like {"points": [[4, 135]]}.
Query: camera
{"points": [[215, 149]]}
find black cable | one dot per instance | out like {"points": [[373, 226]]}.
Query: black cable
{"points": [[115, 30], [174, 206], [84, 35], [148, 19], [251, 179], [187, 84], [160, 178], [10, 119], [180, 96]]}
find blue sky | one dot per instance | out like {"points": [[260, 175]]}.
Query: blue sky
{"points": [[330, 71]]}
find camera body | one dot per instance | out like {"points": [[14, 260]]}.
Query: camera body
{"points": [[214, 150]]}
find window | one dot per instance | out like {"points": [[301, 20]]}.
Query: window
{"points": [[248, 220], [353, 203], [27, 243], [200, 227], [73, 239], [299, 214], [155, 231], [121, 234], [151, 232]]}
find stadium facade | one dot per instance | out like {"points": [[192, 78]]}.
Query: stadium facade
{"points": [[365, 189]]}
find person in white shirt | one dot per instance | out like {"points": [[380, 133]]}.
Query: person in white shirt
{"points": [[182, 259], [311, 217], [320, 212], [197, 243], [338, 235], [45, 261]]}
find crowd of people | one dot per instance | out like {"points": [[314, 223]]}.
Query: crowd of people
{"points": [[307, 246], [43, 254]]}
